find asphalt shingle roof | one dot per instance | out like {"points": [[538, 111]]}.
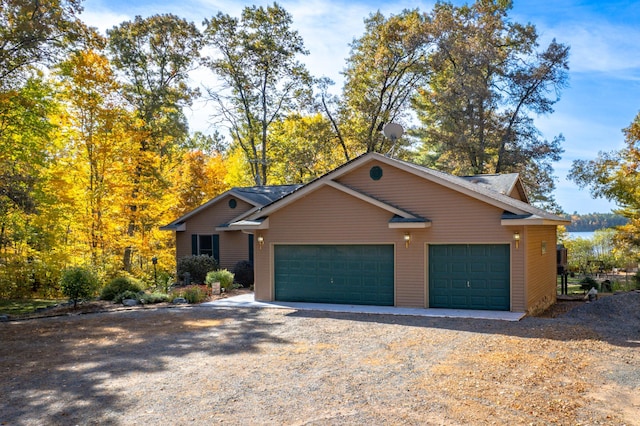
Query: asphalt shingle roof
{"points": [[259, 196], [262, 195]]}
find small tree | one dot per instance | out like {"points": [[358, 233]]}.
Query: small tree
{"points": [[78, 283]]}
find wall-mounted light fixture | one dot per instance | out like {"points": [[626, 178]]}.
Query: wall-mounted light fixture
{"points": [[260, 241], [516, 238], [407, 239]]}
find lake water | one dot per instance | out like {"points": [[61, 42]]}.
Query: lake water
{"points": [[584, 235]]}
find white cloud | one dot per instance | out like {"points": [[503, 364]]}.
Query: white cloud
{"points": [[101, 17], [603, 48]]}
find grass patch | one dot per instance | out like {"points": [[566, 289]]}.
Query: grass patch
{"points": [[26, 306]]}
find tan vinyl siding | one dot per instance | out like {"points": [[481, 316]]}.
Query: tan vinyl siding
{"points": [[541, 268], [518, 274], [515, 193], [330, 216], [233, 244], [234, 247], [456, 218], [262, 267]]}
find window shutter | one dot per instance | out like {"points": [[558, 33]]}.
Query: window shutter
{"points": [[194, 244], [216, 247], [251, 248]]}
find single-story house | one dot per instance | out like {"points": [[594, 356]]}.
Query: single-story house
{"points": [[205, 230], [380, 231]]}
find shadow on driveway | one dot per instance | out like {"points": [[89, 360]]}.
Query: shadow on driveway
{"points": [[56, 370]]}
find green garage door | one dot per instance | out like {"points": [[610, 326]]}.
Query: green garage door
{"points": [[348, 274], [469, 276]]}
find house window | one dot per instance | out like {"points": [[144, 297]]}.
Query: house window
{"points": [[206, 245], [233, 203], [375, 173]]}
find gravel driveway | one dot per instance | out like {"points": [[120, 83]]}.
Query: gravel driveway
{"points": [[203, 365]]}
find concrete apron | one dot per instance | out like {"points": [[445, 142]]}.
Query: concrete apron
{"points": [[248, 301]]}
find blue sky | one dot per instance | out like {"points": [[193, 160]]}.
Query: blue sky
{"points": [[603, 95]]}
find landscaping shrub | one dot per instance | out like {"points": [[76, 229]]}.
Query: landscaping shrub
{"points": [[243, 273], [127, 294], [587, 283], [636, 279], [192, 293], [119, 285], [78, 283], [151, 298], [197, 267], [224, 277]]}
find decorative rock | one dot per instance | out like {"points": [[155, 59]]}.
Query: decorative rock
{"points": [[179, 300], [4, 318], [130, 302]]}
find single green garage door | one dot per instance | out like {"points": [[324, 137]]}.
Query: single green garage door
{"points": [[348, 274], [469, 276]]}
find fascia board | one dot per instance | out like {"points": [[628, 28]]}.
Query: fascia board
{"points": [[537, 221], [296, 195], [409, 225], [207, 205], [370, 200], [174, 227], [248, 225]]}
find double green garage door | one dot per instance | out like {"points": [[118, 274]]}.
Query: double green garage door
{"points": [[460, 276], [349, 274]]}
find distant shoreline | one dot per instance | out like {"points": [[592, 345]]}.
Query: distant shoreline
{"points": [[586, 235]]}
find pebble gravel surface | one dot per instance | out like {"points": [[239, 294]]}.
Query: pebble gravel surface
{"points": [[201, 365]]}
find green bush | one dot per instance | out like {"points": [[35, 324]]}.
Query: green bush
{"points": [[222, 276], [151, 298], [127, 294], [197, 268], [636, 279], [587, 283], [119, 285], [192, 294], [78, 283], [243, 273]]}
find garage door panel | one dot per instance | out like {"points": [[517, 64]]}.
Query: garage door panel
{"points": [[458, 268], [354, 274], [439, 267], [458, 284], [478, 266], [469, 276], [478, 286], [499, 268], [458, 302]]}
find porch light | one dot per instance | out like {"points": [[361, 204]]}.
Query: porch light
{"points": [[516, 238], [407, 239], [260, 241]]}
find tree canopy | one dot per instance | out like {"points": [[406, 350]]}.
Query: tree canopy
{"points": [[96, 152], [615, 176], [386, 67], [262, 78], [487, 80]]}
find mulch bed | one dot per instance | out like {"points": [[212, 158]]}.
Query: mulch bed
{"points": [[98, 306]]}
